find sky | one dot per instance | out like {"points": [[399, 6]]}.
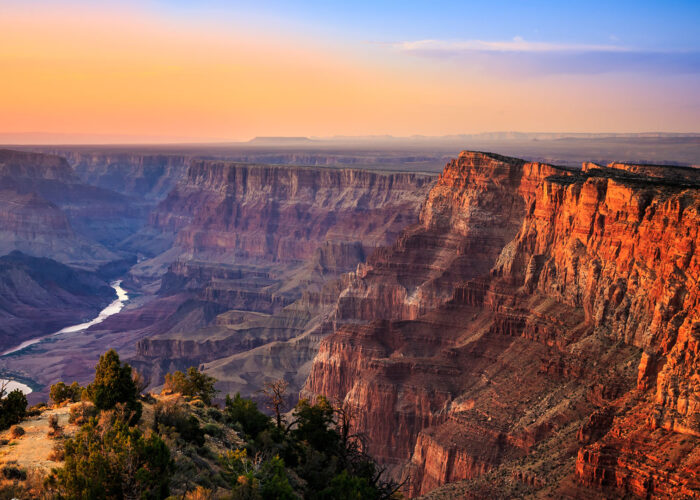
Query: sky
{"points": [[168, 71]]}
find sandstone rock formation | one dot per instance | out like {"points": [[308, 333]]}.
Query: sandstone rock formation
{"points": [[538, 327], [252, 253]]}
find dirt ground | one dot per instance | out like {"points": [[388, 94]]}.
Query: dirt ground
{"points": [[31, 451]]}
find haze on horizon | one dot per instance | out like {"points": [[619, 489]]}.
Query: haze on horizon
{"points": [[163, 71]]}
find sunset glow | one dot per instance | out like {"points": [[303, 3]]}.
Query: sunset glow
{"points": [[156, 72]]}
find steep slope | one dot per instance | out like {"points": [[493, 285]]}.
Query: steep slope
{"points": [[146, 176], [527, 328], [249, 250], [41, 202], [254, 245], [282, 214]]}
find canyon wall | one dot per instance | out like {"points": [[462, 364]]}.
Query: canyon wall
{"points": [[280, 213], [538, 327], [57, 250], [41, 205], [236, 265], [146, 176], [254, 254]]}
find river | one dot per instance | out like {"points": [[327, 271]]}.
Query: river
{"points": [[105, 313]]}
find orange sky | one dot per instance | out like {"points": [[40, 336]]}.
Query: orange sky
{"points": [[127, 72]]}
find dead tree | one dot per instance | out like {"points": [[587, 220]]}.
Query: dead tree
{"points": [[275, 392]]}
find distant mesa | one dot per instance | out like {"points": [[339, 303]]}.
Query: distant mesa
{"points": [[280, 140]]}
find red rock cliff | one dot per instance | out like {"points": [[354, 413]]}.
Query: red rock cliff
{"points": [[539, 325]]}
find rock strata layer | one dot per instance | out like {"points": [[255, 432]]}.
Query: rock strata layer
{"points": [[539, 327], [256, 249]]}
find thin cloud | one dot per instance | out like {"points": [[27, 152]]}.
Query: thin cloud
{"points": [[526, 57], [517, 44]]}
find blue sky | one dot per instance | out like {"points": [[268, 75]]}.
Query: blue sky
{"points": [[507, 38], [640, 25]]}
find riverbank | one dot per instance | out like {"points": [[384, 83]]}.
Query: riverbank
{"points": [[113, 308]]}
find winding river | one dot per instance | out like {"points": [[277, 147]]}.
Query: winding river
{"points": [[105, 313]]}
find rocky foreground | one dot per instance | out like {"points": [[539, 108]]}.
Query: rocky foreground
{"points": [[539, 327]]}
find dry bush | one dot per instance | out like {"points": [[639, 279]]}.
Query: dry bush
{"points": [[139, 381], [36, 410], [16, 431], [200, 493], [55, 430], [13, 472], [173, 420], [34, 485], [81, 412], [58, 454]]}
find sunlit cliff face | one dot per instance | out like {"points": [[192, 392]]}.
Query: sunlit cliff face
{"points": [[122, 71]]}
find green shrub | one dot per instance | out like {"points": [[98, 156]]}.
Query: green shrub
{"points": [[215, 414], [315, 425], [193, 383], [173, 416], [13, 409], [114, 384], [267, 479], [347, 487], [61, 392], [244, 413], [213, 430], [109, 459]]}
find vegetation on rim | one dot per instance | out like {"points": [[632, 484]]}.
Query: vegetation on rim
{"points": [[182, 444]]}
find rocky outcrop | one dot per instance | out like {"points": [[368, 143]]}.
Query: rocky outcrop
{"points": [[538, 323], [473, 211], [21, 165]]}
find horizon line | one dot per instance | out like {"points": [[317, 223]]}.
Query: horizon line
{"points": [[127, 140]]}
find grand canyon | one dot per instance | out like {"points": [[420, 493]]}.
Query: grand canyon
{"points": [[503, 328], [302, 250]]}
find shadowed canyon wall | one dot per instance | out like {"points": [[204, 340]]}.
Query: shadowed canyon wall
{"points": [[236, 263], [47, 210], [39, 296]]}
